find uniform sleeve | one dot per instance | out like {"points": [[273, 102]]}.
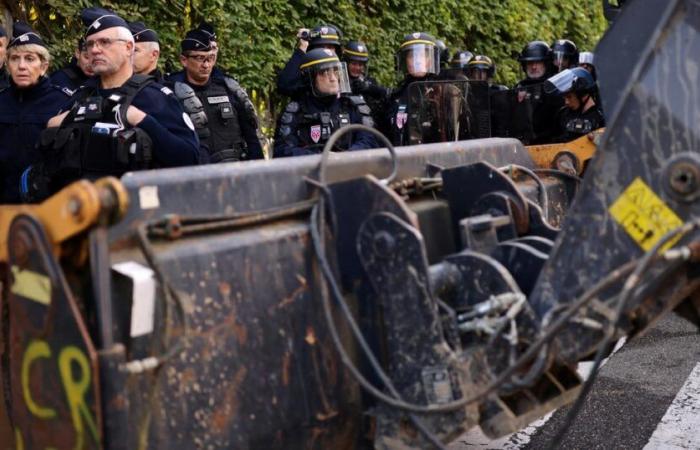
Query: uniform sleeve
{"points": [[289, 80], [175, 143], [249, 131]]}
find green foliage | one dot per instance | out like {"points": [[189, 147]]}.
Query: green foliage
{"points": [[257, 37]]}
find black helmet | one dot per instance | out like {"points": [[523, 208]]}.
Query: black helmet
{"points": [[356, 51], [323, 35], [460, 59], [481, 62], [577, 80], [564, 49], [444, 51], [422, 49], [323, 61], [535, 51]]}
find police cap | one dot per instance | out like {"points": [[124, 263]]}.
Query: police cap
{"points": [[23, 34], [98, 19]]}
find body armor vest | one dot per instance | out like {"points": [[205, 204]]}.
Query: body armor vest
{"points": [[95, 139]]}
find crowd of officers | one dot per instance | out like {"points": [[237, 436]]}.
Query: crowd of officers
{"points": [[111, 110]]}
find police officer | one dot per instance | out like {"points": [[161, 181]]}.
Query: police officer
{"points": [[418, 59], [457, 69], [356, 56], [146, 51], [76, 72], [536, 61], [289, 81], [25, 107], [482, 68], [119, 121], [587, 61], [581, 114], [444, 54], [564, 54], [306, 124], [4, 79], [226, 126]]}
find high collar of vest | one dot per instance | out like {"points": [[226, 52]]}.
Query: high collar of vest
{"points": [[322, 102]]}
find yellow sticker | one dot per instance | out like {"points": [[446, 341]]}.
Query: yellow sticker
{"points": [[644, 216], [31, 285]]}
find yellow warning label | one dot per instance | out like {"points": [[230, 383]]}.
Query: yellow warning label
{"points": [[644, 216], [31, 285]]}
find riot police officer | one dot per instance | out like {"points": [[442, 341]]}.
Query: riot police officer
{"points": [[76, 72], [482, 68], [457, 69], [119, 121], [146, 51], [306, 124], [418, 59], [4, 79], [289, 81], [227, 127], [444, 54], [581, 114], [564, 54], [25, 107], [356, 56], [536, 61]]}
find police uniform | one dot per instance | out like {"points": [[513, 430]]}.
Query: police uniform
{"points": [[374, 94], [306, 125], [23, 115], [221, 111], [95, 139], [69, 78], [574, 124]]}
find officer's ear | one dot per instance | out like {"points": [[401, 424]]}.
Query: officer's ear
{"points": [[183, 60]]}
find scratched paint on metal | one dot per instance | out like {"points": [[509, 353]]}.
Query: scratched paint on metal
{"points": [[643, 215]]}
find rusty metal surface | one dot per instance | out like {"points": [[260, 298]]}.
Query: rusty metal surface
{"points": [[51, 364]]}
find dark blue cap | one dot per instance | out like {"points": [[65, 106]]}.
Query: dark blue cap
{"points": [[141, 33], [208, 29], [2, 32], [196, 40], [98, 19], [23, 34]]}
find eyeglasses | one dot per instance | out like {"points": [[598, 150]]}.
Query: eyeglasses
{"points": [[101, 42], [201, 59]]}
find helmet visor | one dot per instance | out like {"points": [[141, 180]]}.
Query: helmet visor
{"points": [[561, 60], [330, 79], [560, 83], [418, 60]]}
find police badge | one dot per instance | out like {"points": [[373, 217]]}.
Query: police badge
{"points": [[401, 118], [316, 133]]}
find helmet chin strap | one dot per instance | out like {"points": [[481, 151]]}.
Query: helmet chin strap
{"points": [[582, 101]]}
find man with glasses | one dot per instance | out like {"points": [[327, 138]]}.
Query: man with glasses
{"points": [[119, 121], [325, 106], [226, 124]]}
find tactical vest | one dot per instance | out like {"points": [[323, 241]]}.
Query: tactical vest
{"points": [[216, 120], [315, 128], [95, 139]]}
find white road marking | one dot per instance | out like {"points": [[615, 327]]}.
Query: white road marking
{"points": [[680, 426], [475, 438]]}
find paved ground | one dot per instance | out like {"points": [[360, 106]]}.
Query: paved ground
{"points": [[647, 396]]}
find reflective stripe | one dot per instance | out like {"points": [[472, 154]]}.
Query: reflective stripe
{"points": [[319, 61], [417, 41], [350, 52], [328, 36]]}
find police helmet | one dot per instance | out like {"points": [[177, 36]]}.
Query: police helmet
{"points": [[444, 51], [460, 59], [323, 69], [564, 49], [577, 80], [356, 51], [481, 63], [535, 51], [326, 35], [418, 55]]}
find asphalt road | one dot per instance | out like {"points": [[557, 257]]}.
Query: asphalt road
{"points": [[632, 395]]}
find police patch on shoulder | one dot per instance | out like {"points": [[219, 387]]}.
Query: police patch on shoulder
{"points": [[188, 121], [68, 92], [166, 90]]}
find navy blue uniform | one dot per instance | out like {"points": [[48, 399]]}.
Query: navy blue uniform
{"points": [[174, 141], [290, 81], [70, 77], [23, 115], [4, 79], [306, 125], [574, 124]]}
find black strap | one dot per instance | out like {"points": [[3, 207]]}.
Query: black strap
{"points": [[130, 89]]}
